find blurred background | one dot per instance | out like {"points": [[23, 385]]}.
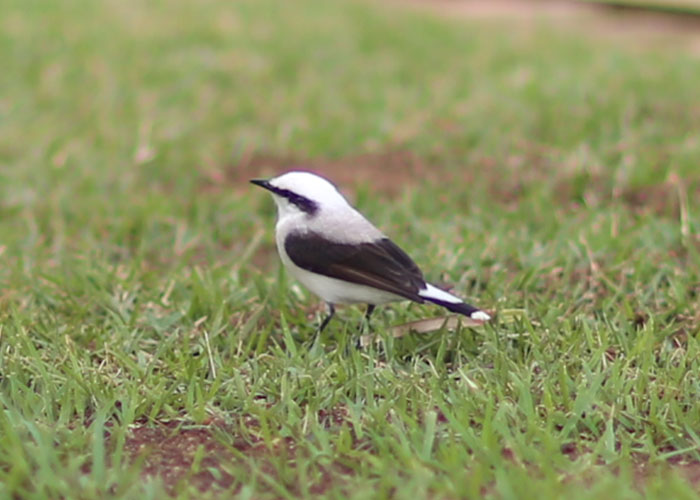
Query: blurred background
{"points": [[541, 157], [119, 107]]}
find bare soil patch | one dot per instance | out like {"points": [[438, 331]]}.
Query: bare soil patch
{"points": [[640, 27], [178, 453], [386, 172], [506, 181], [169, 453]]}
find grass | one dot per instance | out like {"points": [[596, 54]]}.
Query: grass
{"points": [[137, 294]]}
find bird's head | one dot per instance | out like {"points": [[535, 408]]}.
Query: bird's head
{"points": [[301, 192]]}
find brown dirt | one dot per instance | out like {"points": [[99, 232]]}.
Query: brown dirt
{"points": [[390, 173], [169, 451], [635, 26], [386, 172]]}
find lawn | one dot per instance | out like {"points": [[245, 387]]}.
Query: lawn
{"points": [[151, 345]]}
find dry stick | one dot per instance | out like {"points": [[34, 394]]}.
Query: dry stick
{"points": [[212, 366], [683, 206], [424, 326]]}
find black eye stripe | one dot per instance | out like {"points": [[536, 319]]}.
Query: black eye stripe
{"points": [[302, 202]]}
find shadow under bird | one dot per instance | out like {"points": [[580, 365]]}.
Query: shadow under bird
{"points": [[342, 257]]}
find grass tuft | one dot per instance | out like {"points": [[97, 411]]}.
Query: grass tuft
{"points": [[150, 344]]}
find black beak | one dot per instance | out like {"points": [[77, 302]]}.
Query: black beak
{"points": [[262, 183]]}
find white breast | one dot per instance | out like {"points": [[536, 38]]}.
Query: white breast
{"points": [[342, 224], [329, 289]]}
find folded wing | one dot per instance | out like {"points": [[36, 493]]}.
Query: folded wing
{"points": [[378, 264]]}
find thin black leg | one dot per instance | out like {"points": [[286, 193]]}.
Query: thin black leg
{"points": [[324, 323], [368, 313], [364, 325], [365, 320]]}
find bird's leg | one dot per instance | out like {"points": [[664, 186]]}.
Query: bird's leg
{"points": [[324, 323], [365, 326], [368, 313], [326, 320]]}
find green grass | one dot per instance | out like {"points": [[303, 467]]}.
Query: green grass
{"points": [[129, 296]]}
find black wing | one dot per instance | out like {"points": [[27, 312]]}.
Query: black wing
{"points": [[378, 264]]}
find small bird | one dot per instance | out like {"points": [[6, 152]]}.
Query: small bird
{"points": [[342, 257]]}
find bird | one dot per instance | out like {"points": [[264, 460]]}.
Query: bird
{"points": [[340, 256]]}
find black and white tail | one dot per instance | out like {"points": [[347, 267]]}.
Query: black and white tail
{"points": [[452, 303]]}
